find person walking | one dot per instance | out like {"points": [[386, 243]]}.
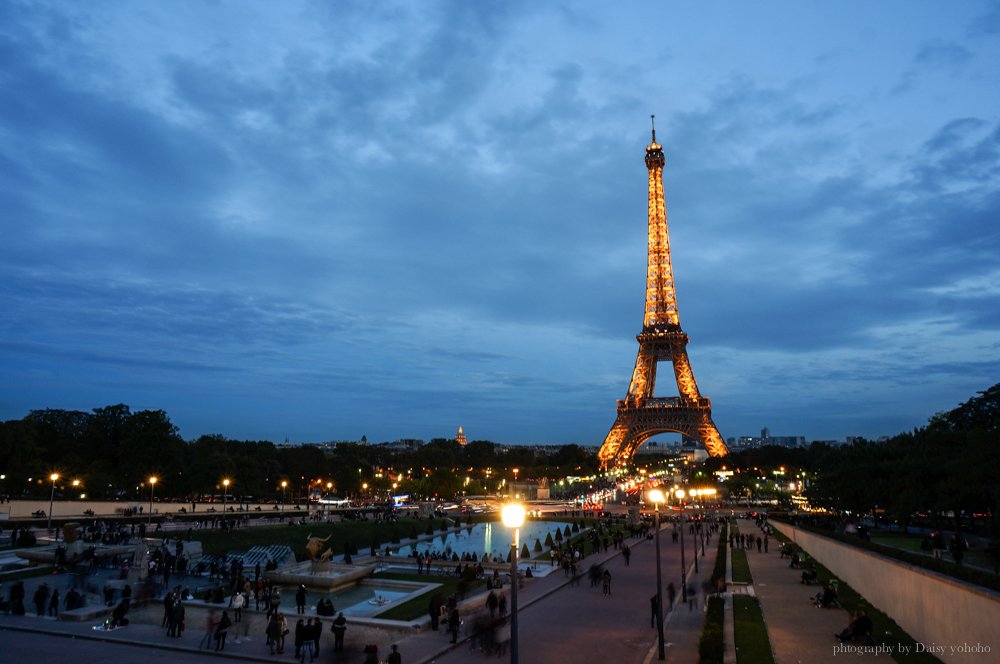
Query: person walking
{"points": [[606, 582], [671, 594], [54, 603], [654, 604], [210, 622], [626, 554], [41, 598], [394, 657]]}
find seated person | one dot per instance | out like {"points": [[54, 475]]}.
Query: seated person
{"points": [[118, 618], [810, 575], [858, 629], [827, 598], [325, 608], [795, 560]]}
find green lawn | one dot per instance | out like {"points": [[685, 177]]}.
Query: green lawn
{"points": [[752, 644], [416, 608], [911, 542], [27, 573]]}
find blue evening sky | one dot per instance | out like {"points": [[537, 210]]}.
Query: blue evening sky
{"points": [[318, 220]]}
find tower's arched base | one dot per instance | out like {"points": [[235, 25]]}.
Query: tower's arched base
{"points": [[638, 422]]}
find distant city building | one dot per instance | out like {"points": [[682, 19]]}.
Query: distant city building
{"points": [[403, 445], [460, 437]]}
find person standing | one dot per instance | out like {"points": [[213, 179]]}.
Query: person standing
{"points": [[300, 599], [273, 632], [54, 603], [654, 604], [238, 602], [168, 605], [221, 630], [317, 634], [394, 656], [454, 621], [434, 610], [177, 616], [606, 582], [282, 632], [300, 628], [338, 628], [626, 554]]}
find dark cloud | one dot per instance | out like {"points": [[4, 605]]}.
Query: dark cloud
{"points": [[390, 218]]}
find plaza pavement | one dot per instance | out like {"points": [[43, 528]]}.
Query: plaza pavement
{"points": [[556, 622]]}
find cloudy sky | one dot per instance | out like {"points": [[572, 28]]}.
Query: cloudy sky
{"points": [[318, 220]]}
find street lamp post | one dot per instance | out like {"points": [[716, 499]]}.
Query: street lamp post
{"points": [[656, 497], [684, 585], [152, 487], [284, 485], [52, 497], [225, 494], [513, 517]]}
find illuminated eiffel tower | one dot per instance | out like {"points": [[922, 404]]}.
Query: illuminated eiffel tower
{"points": [[641, 415]]}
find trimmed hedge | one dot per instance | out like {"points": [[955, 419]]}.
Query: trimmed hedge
{"points": [[711, 645]]}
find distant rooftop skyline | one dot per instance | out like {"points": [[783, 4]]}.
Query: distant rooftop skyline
{"points": [[314, 221]]}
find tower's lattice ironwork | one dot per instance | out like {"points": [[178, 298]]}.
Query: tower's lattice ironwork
{"points": [[641, 415]]}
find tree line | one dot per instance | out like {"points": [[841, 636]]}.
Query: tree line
{"points": [[113, 451], [944, 474]]}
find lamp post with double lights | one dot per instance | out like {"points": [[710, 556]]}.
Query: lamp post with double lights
{"points": [[684, 586], [152, 486], [656, 497], [513, 517], [52, 496]]}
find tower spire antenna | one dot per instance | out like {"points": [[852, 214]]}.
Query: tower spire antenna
{"points": [[652, 121]]}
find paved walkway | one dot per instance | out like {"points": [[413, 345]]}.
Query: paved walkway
{"points": [[799, 631], [555, 620]]}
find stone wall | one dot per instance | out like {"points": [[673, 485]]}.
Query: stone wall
{"points": [[943, 614]]}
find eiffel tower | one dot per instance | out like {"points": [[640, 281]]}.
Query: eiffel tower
{"points": [[641, 415]]}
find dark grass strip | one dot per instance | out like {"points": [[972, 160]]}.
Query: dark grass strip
{"points": [[752, 644]]}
